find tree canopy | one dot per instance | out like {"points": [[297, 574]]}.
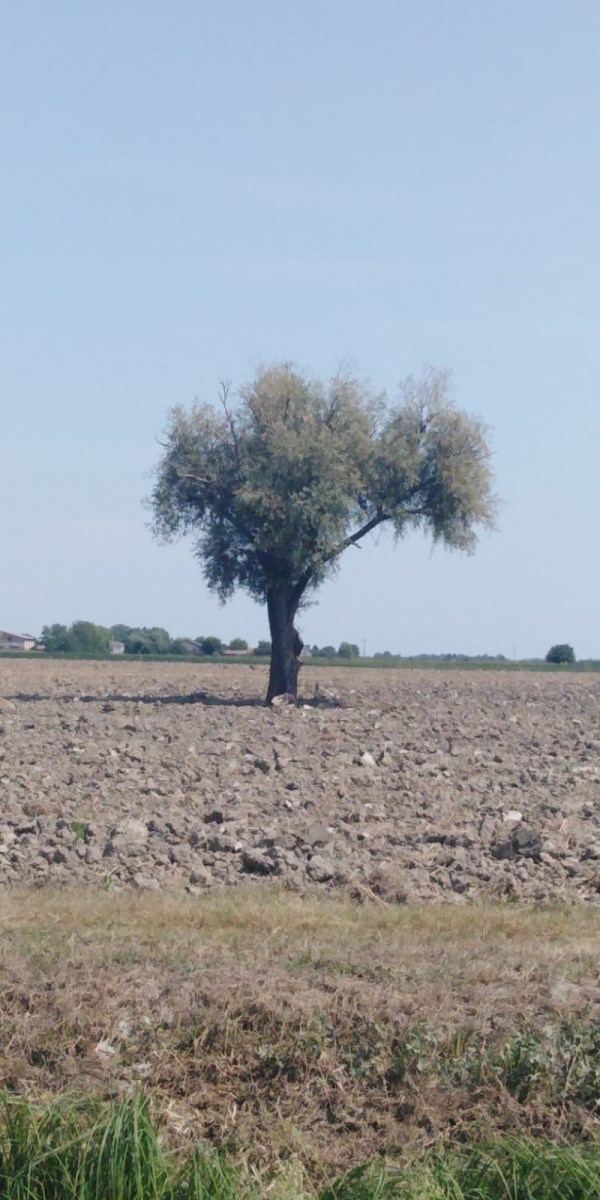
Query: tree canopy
{"points": [[348, 650], [82, 637], [562, 653], [277, 487]]}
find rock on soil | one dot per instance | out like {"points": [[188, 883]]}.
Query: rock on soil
{"points": [[404, 785]]}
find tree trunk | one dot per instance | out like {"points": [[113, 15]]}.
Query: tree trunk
{"points": [[286, 645]]}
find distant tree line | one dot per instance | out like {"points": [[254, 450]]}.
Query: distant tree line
{"points": [[345, 650], [443, 657], [84, 637]]}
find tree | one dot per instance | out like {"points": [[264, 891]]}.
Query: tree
{"points": [[277, 488], [138, 641], [82, 637], [211, 645], [87, 638], [119, 632], [263, 650], [348, 650], [561, 654], [238, 644], [160, 639], [147, 641], [55, 638]]}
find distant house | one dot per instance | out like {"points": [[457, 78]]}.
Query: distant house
{"points": [[189, 646], [17, 641], [116, 647]]}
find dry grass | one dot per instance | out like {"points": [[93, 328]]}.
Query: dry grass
{"points": [[309, 1029]]}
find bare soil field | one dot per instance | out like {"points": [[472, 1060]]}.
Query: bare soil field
{"points": [[322, 1011], [398, 785]]}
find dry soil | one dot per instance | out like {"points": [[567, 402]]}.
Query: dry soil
{"points": [[400, 785]]}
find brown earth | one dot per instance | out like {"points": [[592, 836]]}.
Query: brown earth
{"points": [[404, 785], [296, 1026]]}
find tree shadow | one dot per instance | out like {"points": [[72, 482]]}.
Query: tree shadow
{"points": [[113, 698], [207, 699]]}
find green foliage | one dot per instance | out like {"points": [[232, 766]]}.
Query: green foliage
{"points": [[575, 1063], [263, 649], [325, 652], [178, 646], [119, 632], [78, 829], [238, 644], [414, 1053], [161, 640], [561, 654], [55, 638], [348, 650], [520, 1064], [137, 641], [87, 638], [83, 637], [514, 1170], [147, 641], [211, 645], [276, 490]]}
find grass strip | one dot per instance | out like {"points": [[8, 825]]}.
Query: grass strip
{"points": [[305, 1029], [79, 1150]]}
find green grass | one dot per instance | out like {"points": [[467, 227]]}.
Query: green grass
{"points": [[395, 662], [78, 1150], [81, 1150], [502, 1171]]}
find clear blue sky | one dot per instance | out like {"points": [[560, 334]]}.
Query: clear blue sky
{"points": [[190, 188]]}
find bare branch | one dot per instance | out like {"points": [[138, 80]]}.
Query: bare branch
{"points": [[333, 412], [195, 478], [224, 390]]}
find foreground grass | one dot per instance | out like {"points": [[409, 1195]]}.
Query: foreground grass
{"points": [[77, 1151], [306, 1030]]}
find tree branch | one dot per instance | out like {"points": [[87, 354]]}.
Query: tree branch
{"points": [[224, 390], [195, 478], [380, 515], [299, 588]]}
